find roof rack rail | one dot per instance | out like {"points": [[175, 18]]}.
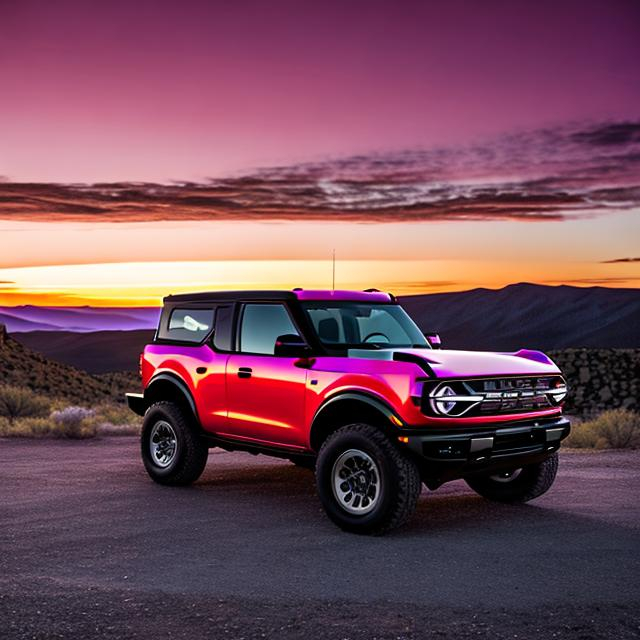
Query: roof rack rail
{"points": [[372, 290]]}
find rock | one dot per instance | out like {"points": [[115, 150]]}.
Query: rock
{"points": [[605, 394]]}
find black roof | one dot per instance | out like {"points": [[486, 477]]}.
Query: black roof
{"points": [[212, 296]]}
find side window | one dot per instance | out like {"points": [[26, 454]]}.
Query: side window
{"points": [[189, 325], [222, 336], [261, 325]]}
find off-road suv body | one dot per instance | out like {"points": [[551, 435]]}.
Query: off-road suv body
{"points": [[345, 382]]}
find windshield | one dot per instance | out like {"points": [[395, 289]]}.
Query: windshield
{"points": [[353, 325]]}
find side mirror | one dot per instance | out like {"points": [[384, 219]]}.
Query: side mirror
{"points": [[434, 340], [291, 345]]}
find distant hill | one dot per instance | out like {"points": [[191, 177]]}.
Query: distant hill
{"points": [[95, 352], [530, 315], [20, 366], [78, 319]]}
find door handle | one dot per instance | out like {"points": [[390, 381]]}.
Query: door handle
{"points": [[245, 372]]}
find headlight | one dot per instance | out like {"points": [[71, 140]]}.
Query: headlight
{"points": [[558, 393], [447, 402], [445, 406]]}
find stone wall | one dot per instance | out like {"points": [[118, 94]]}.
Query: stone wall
{"points": [[600, 379]]}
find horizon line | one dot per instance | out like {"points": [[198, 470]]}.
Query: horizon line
{"points": [[584, 286]]}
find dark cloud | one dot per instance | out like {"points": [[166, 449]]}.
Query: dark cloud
{"points": [[549, 174], [618, 133], [619, 260]]}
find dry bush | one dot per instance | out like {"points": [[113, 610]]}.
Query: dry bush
{"points": [[73, 422], [116, 420], [115, 414], [614, 429], [19, 402], [26, 428]]}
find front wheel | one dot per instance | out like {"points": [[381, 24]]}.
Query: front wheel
{"points": [[366, 484], [516, 485], [172, 452]]}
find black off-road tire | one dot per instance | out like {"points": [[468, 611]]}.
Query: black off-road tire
{"points": [[191, 451], [532, 481], [399, 477]]}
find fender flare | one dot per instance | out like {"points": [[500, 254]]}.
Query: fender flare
{"points": [[359, 396], [178, 382]]}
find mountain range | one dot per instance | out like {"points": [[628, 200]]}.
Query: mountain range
{"points": [[531, 316], [78, 319], [519, 315]]}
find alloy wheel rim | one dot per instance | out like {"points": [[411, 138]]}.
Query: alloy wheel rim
{"points": [[355, 480], [163, 444]]}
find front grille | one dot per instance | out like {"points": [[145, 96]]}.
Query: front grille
{"points": [[492, 396]]}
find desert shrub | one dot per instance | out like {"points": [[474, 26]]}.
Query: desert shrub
{"points": [[614, 429], [115, 414], [583, 436], [73, 422], [620, 428], [116, 420], [19, 402], [27, 428]]}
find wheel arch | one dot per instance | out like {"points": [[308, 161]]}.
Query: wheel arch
{"points": [[169, 387], [347, 408]]}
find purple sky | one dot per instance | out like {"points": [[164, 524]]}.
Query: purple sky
{"points": [[153, 90], [150, 146]]}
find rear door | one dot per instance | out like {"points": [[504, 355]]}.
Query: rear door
{"points": [[192, 329], [265, 393]]}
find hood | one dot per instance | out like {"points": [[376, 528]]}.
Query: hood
{"points": [[446, 363]]}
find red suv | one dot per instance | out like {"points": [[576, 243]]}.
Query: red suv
{"points": [[346, 383]]}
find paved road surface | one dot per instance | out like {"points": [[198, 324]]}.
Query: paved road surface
{"points": [[89, 546]]}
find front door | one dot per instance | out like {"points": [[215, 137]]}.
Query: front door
{"points": [[265, 393]]}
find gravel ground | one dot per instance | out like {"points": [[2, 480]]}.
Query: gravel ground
{"points": [[90, 547]]}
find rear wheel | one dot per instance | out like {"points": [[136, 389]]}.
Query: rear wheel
{"points": [[366, 484], [517, 485], [172, 452]]}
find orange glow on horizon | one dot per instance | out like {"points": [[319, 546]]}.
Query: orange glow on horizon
{"points": [[145, 284]]}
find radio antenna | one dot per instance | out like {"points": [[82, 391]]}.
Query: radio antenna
{"points": [[333, 274]]}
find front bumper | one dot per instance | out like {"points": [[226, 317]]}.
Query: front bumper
{"points": [[445, 454]]}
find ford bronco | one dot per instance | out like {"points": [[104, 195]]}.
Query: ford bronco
{"points": [[345, 383]]}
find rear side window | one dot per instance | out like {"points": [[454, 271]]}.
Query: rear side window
{"points": [[189, 325], [223, 334]]}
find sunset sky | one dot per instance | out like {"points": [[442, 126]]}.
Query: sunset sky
{"points": [[153, 147]]}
